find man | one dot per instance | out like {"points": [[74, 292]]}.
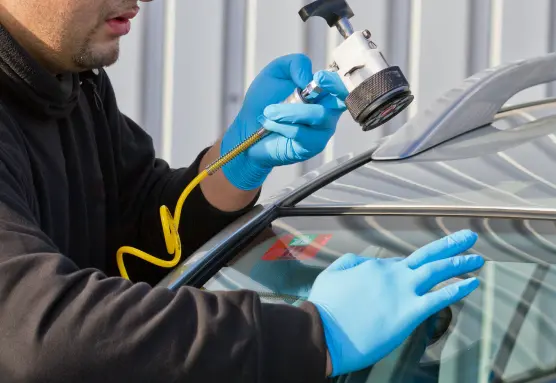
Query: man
{"points": [[78, 179]]}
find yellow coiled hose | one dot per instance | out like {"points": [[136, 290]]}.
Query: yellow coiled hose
{"points": [[170, 224]]}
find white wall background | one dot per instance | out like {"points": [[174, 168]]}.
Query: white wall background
{"points": [[187, 63]]}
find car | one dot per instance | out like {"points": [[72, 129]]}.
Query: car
{"points": [[468, 161]]}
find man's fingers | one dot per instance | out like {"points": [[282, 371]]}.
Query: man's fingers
{"points": [[331, 83], [303, 114], [446, 247], [288, 131], [440, 299], [294, 132], [297, 67], [432, 274]]}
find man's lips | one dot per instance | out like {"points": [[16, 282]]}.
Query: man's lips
{"points": [[120, 24]]}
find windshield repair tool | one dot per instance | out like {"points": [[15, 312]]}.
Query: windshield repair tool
{"points": [[377, 93]]}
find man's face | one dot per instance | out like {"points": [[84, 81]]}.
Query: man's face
{"points": [[69, 35]]}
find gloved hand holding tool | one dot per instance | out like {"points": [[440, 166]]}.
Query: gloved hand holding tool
{"points": [[301, 131]]}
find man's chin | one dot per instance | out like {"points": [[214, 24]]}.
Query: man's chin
{"points": [[97, 58]]}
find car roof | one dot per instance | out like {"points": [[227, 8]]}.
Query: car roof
{"points": [[464, 149], [508, 163]]}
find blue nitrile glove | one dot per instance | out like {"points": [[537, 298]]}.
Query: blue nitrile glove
{"points": [[370, 306], [301, 131]]}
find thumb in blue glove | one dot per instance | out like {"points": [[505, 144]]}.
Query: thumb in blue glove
{"points": [[370, 306], [299, 131]]}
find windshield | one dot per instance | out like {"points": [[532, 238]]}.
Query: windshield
{"points": [[504, 332]]}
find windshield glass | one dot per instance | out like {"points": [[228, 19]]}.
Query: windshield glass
{"points": [[504, 332]]}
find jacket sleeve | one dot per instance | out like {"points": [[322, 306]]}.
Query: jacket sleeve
{"points": [[146, 183], [59, 323]]}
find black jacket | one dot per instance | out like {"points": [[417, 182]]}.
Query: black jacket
{"points": [[78, 179]]}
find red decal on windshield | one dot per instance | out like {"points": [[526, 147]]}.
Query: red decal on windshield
{"points": [[290, 247]]}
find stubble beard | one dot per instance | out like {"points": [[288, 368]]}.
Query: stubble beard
{"points": [[88, 58]]}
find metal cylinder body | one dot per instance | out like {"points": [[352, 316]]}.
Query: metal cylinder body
{"points": [[377, 91], [357, 61]]}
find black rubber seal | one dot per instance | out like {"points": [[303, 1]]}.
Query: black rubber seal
{"points": [[385, 110]]}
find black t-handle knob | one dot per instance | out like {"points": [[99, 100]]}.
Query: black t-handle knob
{"points": [[330, 10]]}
